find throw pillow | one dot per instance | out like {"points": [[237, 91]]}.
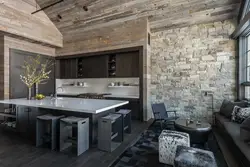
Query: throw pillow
{"points": [[227, 107], [245, 130], [240, 114]]}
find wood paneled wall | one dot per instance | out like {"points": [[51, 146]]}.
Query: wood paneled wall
{"points": [[115, 36], [8, 43], [1, 67], [16, 18]]}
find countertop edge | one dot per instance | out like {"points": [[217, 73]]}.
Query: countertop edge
{"points": [[69, 109]]}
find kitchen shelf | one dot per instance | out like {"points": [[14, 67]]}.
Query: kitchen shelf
{"points": [[8, 115], [75, 86], [4, 124], [122, 86], [112, 69]]}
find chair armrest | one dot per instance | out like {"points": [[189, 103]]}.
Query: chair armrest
{"points": [[170, 111], [173, 112]]}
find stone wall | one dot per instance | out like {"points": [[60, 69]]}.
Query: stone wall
{"points": [[187, 61]]}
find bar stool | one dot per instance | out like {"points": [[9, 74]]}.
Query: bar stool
{"points": [[110, 132], [47, 130], [74, 132], [126, 120]]}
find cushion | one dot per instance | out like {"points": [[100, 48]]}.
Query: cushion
{"points": [[193, 157], [246, 124], [233, 130], [245, 130], [240, 114], [227, 107]]}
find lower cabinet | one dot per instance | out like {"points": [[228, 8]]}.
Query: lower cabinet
{"points": [[134, 106], [26, 121]]}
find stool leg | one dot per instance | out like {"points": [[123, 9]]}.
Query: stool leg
{"points": [[65, 132], [82, 137], [39, 131], [129, 123], [53, 134], [120, 129]]}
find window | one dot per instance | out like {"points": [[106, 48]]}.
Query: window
{"points": [[248, 59], [241, 33], [246, 63]]}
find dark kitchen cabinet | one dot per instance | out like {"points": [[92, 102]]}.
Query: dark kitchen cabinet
{"points": [[26, 121], [17, 88], [93, 67], [133, 105], [67, 68], [48, 87], [99, 66], [127, 64]]}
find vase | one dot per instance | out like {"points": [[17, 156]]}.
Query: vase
{"points": [[29, 94], [37, 91]]}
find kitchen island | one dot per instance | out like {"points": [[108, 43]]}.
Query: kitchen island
{"points": [[86, 108]]}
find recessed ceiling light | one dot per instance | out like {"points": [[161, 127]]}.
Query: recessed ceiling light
{"points": [[85, 8], [59, 16]]}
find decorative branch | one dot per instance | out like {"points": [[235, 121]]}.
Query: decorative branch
{"points": [[34, 71]]}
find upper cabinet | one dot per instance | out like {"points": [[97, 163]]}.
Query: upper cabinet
{"points": [[127, 64], [93, 67], [66, 68], [99, 66]]}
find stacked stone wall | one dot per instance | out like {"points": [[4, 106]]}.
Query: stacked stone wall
{"points": [[186, 62]]}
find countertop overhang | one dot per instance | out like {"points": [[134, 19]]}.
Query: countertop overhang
{"points": [[92, 106]]}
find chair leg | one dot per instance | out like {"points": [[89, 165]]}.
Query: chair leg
{"points": [[161, 125]]}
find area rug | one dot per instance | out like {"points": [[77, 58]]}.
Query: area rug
{"points": [[144, 153]]}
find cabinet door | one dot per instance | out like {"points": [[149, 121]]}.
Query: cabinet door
{"points": [[134, 106], [95, 67], [17, 88], [49, 87], [68, 68], [26, 121], [127, 64], [73, 68]]}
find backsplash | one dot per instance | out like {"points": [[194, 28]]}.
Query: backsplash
{"points": [[99, 85]]}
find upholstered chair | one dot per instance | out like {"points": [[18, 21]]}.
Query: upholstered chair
{"points": [[168, 142]]}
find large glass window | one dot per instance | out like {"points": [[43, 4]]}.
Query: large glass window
{"points": [[247, 65], [248, 60]]}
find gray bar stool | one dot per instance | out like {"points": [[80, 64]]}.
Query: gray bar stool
{"points": [[126, 120], [74, 132], [110, 132], [47, 131]]}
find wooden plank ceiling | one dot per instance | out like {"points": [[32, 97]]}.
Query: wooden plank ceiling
{"points": [[163, 14], [16, 19]]}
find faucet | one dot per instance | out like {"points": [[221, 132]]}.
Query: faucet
{"points": [[57, 90]]}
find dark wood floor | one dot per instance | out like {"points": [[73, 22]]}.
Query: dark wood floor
{"points": [[16, 152]]}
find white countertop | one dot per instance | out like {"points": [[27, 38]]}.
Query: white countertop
{"points": [[93, 106]]}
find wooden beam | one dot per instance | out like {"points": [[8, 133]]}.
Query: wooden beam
{"points": [[46, 7]]}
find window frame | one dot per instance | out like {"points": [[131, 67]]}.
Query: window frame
{"points": [[242, 33]]}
